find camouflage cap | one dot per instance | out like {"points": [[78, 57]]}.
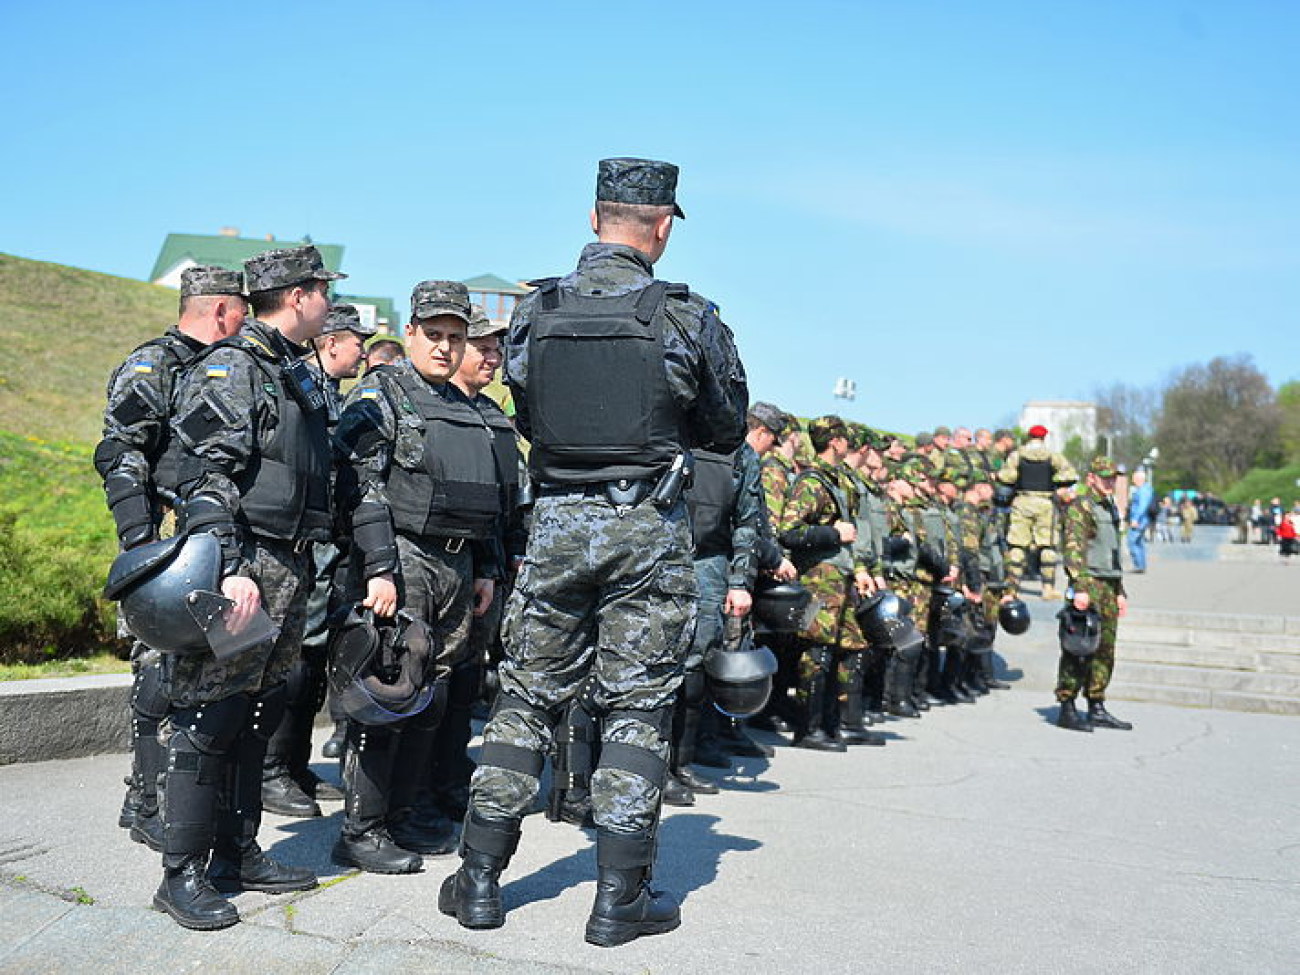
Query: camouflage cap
{"points": [[828, 427], [942, 432], [480, 326], [285, 267], [207, 280], [1103, 467], [768, 415], [642, 182], [1002, 432], [346, 318], [912, 468], [859, 435], [430, 299], [924, 438]]}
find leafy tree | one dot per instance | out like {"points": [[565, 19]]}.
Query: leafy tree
{"points": [[1288, 401], [1216, 422], [1126, 419]]}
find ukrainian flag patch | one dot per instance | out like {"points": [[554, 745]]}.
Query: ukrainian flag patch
{"points": [[144, 368], [218, 372], [369, 393]]}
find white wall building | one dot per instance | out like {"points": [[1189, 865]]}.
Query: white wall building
{"points": [[1064, 419]]}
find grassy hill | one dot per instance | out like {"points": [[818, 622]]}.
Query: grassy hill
{"points": [[63, 330]]}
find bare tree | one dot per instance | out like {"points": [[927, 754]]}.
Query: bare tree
{"points": [[1126, 420], [1216, 421]]}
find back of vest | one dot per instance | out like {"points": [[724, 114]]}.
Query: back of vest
{"points": [[166, 458], [597, 390], [1035, 475]]}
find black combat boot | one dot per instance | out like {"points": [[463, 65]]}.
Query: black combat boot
{"points": [[676, 793], [898, 688], [696, 782], [364, 841], [190, 899], [626, 907], [1070, 718], [472, 895], [130, 801], [1101, 718], [812, 687], [246, 867], [852, 716], [189, 811], [333, 747], [282, 795]]}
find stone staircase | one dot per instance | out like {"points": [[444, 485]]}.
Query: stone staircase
{"points": [[1238, 663]]}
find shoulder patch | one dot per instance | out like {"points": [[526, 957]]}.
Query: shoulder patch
{"points": [[144, 368], [217, 371], [370, 392]]}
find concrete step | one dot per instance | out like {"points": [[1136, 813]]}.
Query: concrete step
{"points": [[1210, 638], [1142, 651], [1198, 697], [1218, 622], [1210, 678]]}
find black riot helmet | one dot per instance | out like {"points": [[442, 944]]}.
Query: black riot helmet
{"points": [[885, 619], [739, 672], [380, 669], [1080, 630], [170, 592], [1014, 616], [782, 607], [952, 629]]}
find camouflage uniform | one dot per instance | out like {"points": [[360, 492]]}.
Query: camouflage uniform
{"points": [[1091, 553], [606, 591], [138, 459], [1036, 472]]}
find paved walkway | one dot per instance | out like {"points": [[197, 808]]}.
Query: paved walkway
{"points": [[981, 838]]}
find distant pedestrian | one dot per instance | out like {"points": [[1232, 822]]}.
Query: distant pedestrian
{"points": [[1187, 518], [1163, 532], [1140, 498]]}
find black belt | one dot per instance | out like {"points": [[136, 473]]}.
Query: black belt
{"points": [[625, 492]]}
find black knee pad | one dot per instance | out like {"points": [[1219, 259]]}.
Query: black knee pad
{"points": [[267, 712], [149, 699], [214, 727]]}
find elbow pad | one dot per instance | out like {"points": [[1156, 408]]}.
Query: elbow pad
{"points": [[132, 510], [206, 513], [897, 548], [372, 534], [929, 559]]}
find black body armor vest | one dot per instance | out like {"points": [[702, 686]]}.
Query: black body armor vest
{"points": [[1035, 475], [165, 457], [598, 392], [448, 465], [710, 501], [285, 493]]}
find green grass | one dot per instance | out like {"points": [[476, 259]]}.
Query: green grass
{"points": [[1266, 484], [63, 331], [103, 663]]}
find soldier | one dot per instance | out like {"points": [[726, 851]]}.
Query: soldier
{"points": [[819, 529], [910, 569], [981, 527], [862, 692], [1091, 551], [255, 472], [289, 786], [138, 460], [608, 589], [1038, 476], [452, 767], [384, 353], [425, 502]]}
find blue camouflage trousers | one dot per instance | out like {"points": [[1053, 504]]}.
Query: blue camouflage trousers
{"points": [[606, 595]]}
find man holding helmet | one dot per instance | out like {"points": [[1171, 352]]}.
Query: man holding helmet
{"points": [[1091, 553]]}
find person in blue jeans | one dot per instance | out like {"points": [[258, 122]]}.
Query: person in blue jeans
{"points": [[1140, 498]]}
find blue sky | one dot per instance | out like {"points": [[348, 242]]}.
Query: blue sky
{"points": [[961, 206]]}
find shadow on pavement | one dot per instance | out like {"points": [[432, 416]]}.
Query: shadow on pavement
{"points": [[691, 849]]}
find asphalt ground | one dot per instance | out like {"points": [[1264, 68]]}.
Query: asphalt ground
{"points": [[980, 838]]}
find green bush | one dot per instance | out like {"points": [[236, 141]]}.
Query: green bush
{"points": [[56, 543], [1266, 483]]}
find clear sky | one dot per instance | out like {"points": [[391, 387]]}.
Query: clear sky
{"points": [[959, 205]]}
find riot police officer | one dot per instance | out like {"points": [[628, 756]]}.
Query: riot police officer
{"points": [[138, 460], [615, 377], [255, 472], [425, 499]]}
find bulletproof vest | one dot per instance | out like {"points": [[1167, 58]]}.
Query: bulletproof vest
{"points": [[1103, 551], [1035, 475], [505, 450], [905, 566], [444, 477], [598, 393], [839, 556], [872, 521], [285, 491], [165, 457], [710, 501], [990, 554], [935, 520]]}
